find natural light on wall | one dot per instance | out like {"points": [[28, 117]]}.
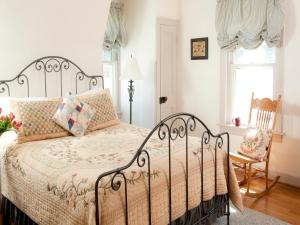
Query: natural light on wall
{"points": [[250, 71], [109, 64]]}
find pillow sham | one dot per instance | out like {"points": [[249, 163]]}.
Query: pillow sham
{"points": [[255, 143], [36, 115], [105, 114], [74, 115]]}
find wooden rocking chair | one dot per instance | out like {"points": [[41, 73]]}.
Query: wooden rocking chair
{"points": [[265, 119]]}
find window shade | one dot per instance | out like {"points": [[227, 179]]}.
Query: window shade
{"points": [[247, 23], [115, 34]]}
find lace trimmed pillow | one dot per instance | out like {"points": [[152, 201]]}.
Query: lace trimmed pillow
{"points": [[36, 116], [74, 115], [255, 143]]}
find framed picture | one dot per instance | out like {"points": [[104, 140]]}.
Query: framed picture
{"points": [[199, 48]]}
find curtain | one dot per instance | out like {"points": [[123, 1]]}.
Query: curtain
{"points": [[115, 35], [247, 23]]}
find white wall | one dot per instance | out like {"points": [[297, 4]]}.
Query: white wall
{"points": [[31, 29], [141, 25], [200, 80], [286, 155]]}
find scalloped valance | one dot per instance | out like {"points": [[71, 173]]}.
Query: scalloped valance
{"points": [[247, 23]]}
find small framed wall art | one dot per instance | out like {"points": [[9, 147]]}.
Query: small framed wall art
{"points": [[199, 48]]}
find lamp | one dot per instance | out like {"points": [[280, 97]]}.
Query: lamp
{"points": [[131, 73]]}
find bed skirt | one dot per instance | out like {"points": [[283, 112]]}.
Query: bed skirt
{"points": [[210, 210]]}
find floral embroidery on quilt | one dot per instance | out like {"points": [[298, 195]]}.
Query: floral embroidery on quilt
{"points": [[77, 189], [11, 158]]}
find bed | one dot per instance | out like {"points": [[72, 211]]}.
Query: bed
{"points": [[177, 173]]}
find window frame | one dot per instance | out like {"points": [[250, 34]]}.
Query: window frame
{"points": [[226, 103], [115, 62]]}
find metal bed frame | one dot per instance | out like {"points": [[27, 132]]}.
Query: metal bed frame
{"points": [[177, 126], [49, 65]]}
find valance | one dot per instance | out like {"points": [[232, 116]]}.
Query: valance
{"points": [[247, 23], [115, 34]]}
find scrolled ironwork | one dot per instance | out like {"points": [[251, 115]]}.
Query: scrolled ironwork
{"points": [[162, 133], [80, 75], [21, 79], [93, 82], [178, 130], [116, 185], [47, 65], [52, 65], [141, 161], [4, 88], [65, 64], [173, 127], [206, 137], [219, 142], [39, 65], [191, 123]]}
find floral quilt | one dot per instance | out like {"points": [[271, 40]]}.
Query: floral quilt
{"points": [[53, 181]]}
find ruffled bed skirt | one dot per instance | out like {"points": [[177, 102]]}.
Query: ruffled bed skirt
{"points": [[11, 214], [206, 213]]}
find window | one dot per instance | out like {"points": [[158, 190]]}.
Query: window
{"points": [[110, 73], [249, 71]]}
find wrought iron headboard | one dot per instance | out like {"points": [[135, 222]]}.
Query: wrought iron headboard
{"points": [[46, 65]]}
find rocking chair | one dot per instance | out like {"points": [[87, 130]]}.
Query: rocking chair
{"points": [[266, 113]]}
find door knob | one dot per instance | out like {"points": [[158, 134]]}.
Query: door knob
{"points": [[163, 100]]}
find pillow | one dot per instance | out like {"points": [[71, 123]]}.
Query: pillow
{"points": [[101, 101], [36, 116], [255, 143], [74, 115]]}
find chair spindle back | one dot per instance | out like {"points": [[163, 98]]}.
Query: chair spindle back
{"points": [[266, 112]]}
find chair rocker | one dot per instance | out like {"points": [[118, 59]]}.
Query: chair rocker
{"points": [[266, 113]]}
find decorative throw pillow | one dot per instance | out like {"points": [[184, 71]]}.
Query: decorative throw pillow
{"points": [[101, 101], [74, 115], [36, 116], [255, 143]]}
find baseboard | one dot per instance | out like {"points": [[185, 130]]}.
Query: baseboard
{"points": [[286, 178]]}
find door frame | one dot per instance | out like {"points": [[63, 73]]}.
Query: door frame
{"points": [[161, 21]]}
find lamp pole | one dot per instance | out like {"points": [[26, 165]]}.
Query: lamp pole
{"points": [[130, 92]]}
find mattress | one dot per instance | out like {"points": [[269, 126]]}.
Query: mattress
{"points": [[53, 181]]}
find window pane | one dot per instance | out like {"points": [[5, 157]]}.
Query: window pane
{"points": [[263, 54], [108, 71], [106, 55], [247, 80]]}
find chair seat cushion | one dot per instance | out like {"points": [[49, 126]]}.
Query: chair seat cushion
{"points": [[239, 158], [255, 143]]}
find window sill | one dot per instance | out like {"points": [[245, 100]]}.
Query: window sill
{"points": [[241, 131]]}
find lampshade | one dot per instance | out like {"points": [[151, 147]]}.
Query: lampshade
{"points": [[132, 70]]}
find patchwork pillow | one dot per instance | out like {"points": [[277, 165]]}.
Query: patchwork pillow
{"points": [[36, 116], [101, 101], [74, 115], [255, 143]]}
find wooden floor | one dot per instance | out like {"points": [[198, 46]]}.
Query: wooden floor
{"points": [[283, 202]]}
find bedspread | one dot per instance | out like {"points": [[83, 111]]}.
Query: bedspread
{"points": [[52, 181]]}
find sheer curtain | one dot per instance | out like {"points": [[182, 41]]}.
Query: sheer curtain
{"points": [[247, 23], [115, 34]]}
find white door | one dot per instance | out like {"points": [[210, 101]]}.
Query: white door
{"points": [[166, 68]]}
